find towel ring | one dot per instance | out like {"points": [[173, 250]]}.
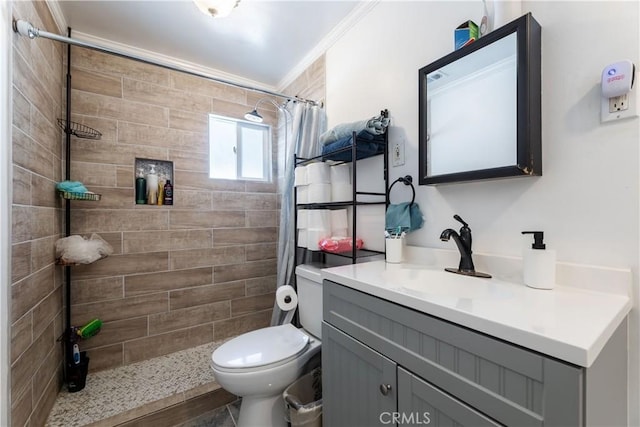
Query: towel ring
{"points": [[406, 180]]}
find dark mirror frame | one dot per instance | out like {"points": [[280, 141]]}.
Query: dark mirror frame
{"points": [[529, 150]]}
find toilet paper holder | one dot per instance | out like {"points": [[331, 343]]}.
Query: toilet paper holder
{"points": [[406, 180]]}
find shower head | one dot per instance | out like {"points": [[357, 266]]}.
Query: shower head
{"points": [[253, 116]]}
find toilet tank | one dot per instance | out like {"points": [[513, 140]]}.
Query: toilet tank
{"points": [[309, 284]]}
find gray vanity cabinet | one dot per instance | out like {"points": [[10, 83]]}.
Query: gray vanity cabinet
{"points": [[358, 372], [422, 403], [369, 386], [379, 356]]}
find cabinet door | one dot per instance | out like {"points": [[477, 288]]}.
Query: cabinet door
{"points": [[421, 403], [358, 383]]}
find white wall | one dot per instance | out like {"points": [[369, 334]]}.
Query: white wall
{"points": [[587, 201], [5, 208]]}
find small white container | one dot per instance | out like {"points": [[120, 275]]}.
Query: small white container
{"points": [[505, 12], [539, 264], [394, 249]]}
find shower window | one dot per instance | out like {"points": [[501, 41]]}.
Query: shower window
{"points": [[239, 149]]}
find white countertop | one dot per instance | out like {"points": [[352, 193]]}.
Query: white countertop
{"points": [[568, 323]]}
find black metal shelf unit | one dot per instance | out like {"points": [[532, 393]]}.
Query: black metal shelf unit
{"points": [[74, 372], [355, 253]]}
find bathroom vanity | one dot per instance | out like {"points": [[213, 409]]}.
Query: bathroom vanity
{"points": [[409, 345]]}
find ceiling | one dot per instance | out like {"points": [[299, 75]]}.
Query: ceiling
{"points": [[262, 41]]}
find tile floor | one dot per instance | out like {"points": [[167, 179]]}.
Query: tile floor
{"points": [[227, 416], [131, 391]]}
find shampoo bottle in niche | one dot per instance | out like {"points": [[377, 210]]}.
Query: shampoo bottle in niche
{"points": [[168, 193], [152, 185], [161, 181], [539, 263], [141, 188]]}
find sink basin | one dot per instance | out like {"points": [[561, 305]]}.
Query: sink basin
{"points": [[429, 283]]}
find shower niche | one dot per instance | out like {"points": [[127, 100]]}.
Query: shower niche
{"points": [[153, 182]]}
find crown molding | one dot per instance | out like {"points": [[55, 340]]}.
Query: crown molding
{"points": [[170, 60], [358, 12], [58, 16]]}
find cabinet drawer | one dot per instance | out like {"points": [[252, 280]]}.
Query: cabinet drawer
{"points": [[508, 383], [420, 401]]}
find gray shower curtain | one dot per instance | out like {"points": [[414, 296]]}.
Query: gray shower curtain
{"points": [[298, 133]]}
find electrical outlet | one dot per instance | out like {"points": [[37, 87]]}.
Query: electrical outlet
{"points": [[619, 103], [620, 107], [397, 153]]}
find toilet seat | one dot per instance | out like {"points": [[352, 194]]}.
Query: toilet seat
{"points": [[254, 350]]}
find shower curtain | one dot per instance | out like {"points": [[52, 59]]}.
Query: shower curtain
{"points": [[303, 123]]}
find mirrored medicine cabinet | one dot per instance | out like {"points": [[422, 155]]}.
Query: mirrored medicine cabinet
{"points": [[479, 108]]}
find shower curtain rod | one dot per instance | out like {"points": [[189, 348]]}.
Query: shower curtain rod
{"points": [[25, 28]]}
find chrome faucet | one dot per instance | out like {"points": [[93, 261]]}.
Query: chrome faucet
{"points": [[463, 242]]}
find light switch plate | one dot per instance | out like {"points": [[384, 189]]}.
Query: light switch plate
{"points": [[397, 153]]}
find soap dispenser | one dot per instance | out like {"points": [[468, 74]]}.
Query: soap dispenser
{"points": [[152, 185], [539, 263]]}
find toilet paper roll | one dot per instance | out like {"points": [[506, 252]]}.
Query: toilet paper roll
{"points": [[314, 236], [340, 232], [341, 192], [286, 298], [319, 193], [319, 219], [303, 219], [300, 177], [338, 220], [302, 194], [318, 173], [340, 174], [302, 238]]}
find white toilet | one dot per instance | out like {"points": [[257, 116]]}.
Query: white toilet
{"points": [[260, 364]]}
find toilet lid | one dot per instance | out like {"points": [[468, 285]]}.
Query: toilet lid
{"points": [[261, 347]]}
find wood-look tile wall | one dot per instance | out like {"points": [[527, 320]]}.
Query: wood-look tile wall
{"points": [[36, 284], [311, 84], [201, 270]]}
